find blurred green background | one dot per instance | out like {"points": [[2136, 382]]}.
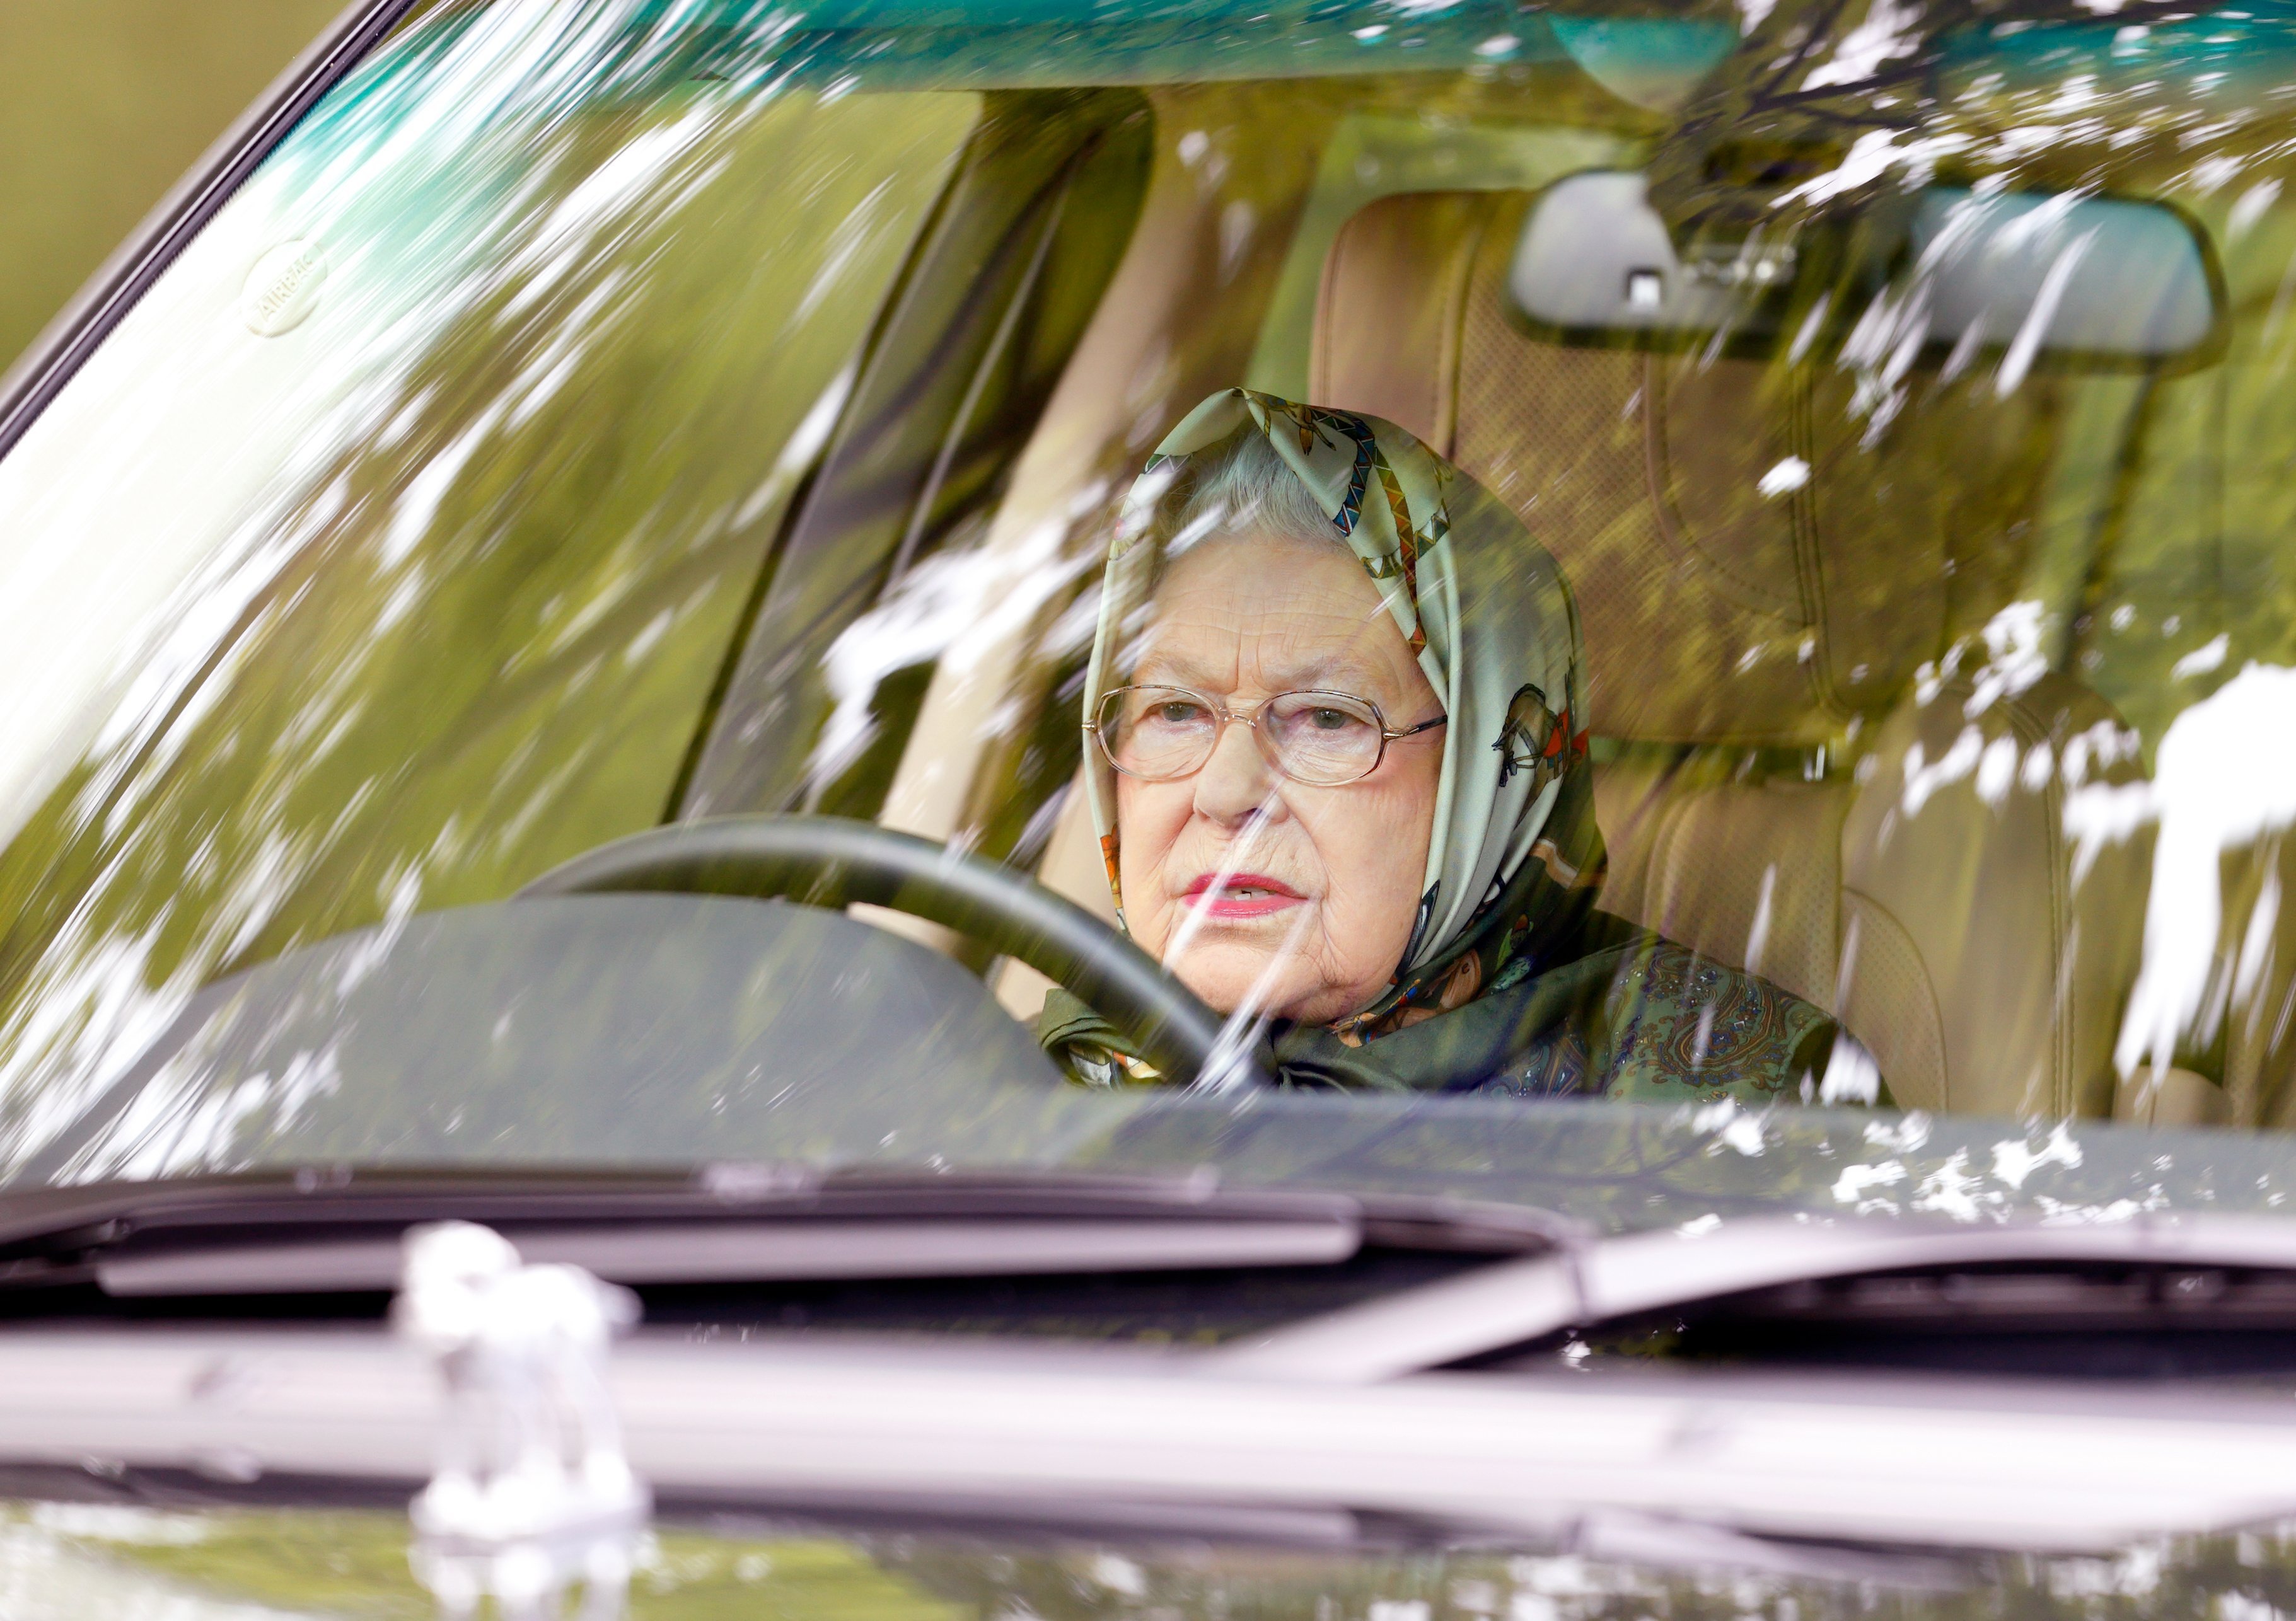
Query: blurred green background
{"points": [[103, 105]]}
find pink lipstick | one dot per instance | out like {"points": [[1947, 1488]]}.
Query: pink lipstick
{"points": [[1240, 895]]}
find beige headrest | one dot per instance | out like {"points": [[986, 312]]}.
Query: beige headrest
{"points": [[1713, 612]]}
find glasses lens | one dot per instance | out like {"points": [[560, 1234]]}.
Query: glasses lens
{"points": [[1323, 737], [1157, 731]]}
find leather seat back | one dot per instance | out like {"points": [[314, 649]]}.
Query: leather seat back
{"points": [[1771, 572]]}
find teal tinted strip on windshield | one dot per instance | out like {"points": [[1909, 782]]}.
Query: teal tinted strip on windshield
{"points": [[934, 43], [647, 46], [2239, 47]]}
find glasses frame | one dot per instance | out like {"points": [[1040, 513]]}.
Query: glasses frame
{"points": [[1260, 741]]}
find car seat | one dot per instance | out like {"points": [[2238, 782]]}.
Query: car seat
{"points": [[1795, 775]]}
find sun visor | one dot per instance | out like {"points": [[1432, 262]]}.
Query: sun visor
{"points": [[2077, 279]]}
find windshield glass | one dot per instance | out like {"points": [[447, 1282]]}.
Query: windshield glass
{"points": [[1732, 558]]}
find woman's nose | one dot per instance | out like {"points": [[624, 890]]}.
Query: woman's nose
{"points": [[1235, 784]]}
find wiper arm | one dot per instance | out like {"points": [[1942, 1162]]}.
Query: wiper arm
{"points": [[306, 1232], [1580, 1286]]}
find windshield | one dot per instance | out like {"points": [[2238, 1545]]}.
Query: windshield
{"points": [[1529, 561]]}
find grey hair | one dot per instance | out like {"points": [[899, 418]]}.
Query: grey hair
{"points": [[1242, 486], [1246, 486]]}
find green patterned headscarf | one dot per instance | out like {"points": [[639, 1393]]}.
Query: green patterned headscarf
{"points": [[1515, 858]]}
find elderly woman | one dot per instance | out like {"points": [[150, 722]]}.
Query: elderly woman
{"points": [[1339, 776]]}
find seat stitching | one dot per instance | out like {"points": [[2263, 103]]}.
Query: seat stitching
{"points": [[1928, 989], [2028, 727], [1810, 559], [1450, 361], [1673, 532]]}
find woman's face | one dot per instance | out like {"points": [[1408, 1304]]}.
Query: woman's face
{"points": [[1250, 885]]}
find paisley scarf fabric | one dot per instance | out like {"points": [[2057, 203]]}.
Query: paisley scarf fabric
{"points": [[1510, 980]]}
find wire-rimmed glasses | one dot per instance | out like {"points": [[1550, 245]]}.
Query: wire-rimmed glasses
{"points": [[1318, 737]]}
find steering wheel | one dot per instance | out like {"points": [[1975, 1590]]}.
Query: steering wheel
{"points": [[836, 861]]}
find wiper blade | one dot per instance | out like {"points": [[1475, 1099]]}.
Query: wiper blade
{"points": [[1771, 1264], [306, 1232], [727, 1252]]}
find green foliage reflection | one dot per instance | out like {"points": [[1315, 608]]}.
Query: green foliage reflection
{"points": [[476, 633]]}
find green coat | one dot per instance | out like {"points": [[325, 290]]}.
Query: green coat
{"points": [[1625, 1018]]}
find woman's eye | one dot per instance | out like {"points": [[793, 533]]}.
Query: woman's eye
{"points": [[1330, 720], [1176, 713]]}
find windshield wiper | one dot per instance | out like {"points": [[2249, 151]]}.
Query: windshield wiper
{"points": [[2184, 1271], [335, 1231]]}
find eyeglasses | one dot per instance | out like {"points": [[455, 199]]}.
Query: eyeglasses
{"points": [[1321, 739]]}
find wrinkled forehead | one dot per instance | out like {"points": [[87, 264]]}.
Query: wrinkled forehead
{"points": [[1257, 611]]}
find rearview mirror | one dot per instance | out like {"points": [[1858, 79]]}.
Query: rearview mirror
{"points": [[2079, 279], [2089, 276]]}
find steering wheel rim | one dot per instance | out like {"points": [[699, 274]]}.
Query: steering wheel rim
{"points": [[839, 861]]}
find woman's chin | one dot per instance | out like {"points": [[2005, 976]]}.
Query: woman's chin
{"points": [[1228, 979]]}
